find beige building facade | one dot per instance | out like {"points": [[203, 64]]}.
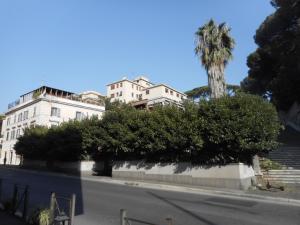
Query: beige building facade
{"points": [[45, 106], [142, 92]]}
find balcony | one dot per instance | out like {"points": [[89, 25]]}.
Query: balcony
{"points": [[48, 92]]}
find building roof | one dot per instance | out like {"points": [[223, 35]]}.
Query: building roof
{"points": [[91, 92], [144, 79], [158, 85], [48, 89], [125, 80]]}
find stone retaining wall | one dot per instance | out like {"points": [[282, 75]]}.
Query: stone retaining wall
{"points": [[75, 167], [235, 176]]}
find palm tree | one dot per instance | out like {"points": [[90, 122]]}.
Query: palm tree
{"points": [[214, 48]]}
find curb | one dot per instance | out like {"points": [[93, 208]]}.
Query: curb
{"points": [[166, 187]]}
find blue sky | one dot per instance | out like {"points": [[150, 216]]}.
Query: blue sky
{"points": [[80, 45]]}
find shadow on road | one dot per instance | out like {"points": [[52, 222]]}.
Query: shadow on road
{"points": [[41, 186], [182, 209]]}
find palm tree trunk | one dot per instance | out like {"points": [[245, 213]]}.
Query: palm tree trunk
{"points": [[216, 81]]}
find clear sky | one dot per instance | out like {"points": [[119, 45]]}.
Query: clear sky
{"points": [[79, 45]]}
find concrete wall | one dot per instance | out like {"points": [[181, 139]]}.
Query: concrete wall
{"points": [[236, 176], [80, 166]]}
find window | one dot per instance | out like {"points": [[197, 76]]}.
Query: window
{"points": [[147, 92], [25, 115], [112, 87], [171, 92], [20, 116], [120, 93], [8, 122], [53, 124], [177, 95], [132, 86], [137, 96], [32, 124], [132, 95], [167, 90], [55, 112], [121, 84], [34, 112], [7, 135], [117, 85], [117, 94], [18, 133], [137, 88], [112, 95], [79, 116], [12, 134]]}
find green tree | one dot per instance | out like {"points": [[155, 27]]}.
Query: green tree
{"points": [[163, 134], [204, 92], [274, 70], [65, 142], [32, 144], [237, 128], [214, 47]]}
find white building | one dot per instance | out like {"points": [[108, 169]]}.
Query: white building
{"points": [[47, 107], [142, 93]]}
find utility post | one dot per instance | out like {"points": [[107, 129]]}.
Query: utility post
{"points": [[72, 208], [123, 216], [26, 201], [52, 208]]}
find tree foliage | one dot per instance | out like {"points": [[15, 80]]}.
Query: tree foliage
{"points": [[214, 47], [219, 131], [237, 128], [274, 69], [32, 144], [64, 142], [164, 134], [203, 92]]}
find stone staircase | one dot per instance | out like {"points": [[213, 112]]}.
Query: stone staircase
{"points": [[288, 153], [288, 156], [283, 176]]}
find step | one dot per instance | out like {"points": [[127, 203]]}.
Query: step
{"points": [[284, 171], [284, 181], [281, 176]]}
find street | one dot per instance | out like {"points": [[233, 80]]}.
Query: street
{"points": [[100, 203]]}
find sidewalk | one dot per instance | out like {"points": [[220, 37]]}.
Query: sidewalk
{"points": [[7, 219], [291, 195]]}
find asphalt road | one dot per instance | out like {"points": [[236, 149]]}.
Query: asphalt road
{"points": [[100, 203]]}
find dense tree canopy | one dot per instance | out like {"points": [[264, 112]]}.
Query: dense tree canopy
{"points": [[164, 134], [237, 128], [64, 142], [274, 68], [203, 92], [219, 131]]}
